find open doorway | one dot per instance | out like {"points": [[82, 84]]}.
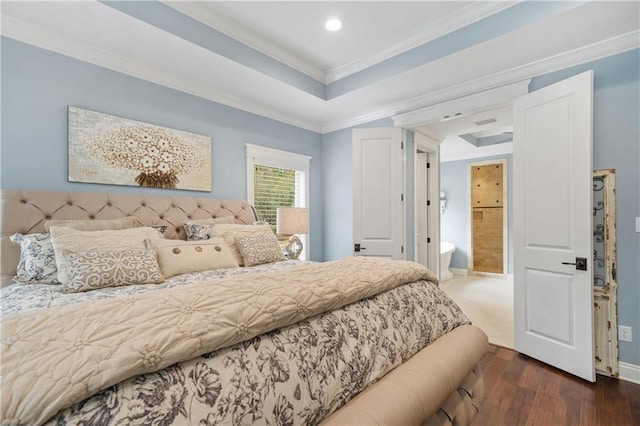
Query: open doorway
{"points": [[553, 317], [472, 141], [426, 213]]}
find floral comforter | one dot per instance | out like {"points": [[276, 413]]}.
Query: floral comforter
{"points": [[296, 374]]}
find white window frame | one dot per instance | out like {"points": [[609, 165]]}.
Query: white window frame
{"points": [[270, 157]]}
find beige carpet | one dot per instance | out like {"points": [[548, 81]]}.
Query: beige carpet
{"points": [[488, 302]]}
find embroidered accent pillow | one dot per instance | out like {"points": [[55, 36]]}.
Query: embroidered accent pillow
{"points": [[199, 229], [260, 249], [37, 262], [231, 232], [68, 239], [90, 270], [95, 224], [180, 257]]}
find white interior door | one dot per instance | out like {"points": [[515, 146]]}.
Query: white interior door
{"points": [[553, 300], [422, 212], [378, 186]]}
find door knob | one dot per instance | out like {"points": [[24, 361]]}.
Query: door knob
{"points": [[580, 263]]}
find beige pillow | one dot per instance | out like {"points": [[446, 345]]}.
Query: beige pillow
{"points": [[199, 229], [90, 270], [231, 232], [260, 249], [180, 257], [95, 224], [63, 238]]}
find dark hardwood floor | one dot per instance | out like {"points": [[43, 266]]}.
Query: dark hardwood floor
{"points": [[522, 391]]}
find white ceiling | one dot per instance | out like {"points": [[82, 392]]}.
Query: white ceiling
{"points": [[292, 33]]}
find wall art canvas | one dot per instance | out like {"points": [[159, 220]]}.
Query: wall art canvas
{"points": [[113, 150]]}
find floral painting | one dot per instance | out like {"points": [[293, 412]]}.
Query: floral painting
{"points": [[113, 150]]}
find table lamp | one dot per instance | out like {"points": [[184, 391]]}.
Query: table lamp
{"points": [[292, 221]]}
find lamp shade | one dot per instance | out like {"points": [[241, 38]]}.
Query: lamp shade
{"points": [[292, 220]]}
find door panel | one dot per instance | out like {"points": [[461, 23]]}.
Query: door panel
{"points": [[553, 300], [378, 225], [558, 328]]}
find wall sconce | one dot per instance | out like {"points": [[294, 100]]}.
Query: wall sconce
{"points": [[291, 221], [443, 202]]}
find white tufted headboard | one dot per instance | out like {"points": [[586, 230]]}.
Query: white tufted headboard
{"points": [[26, 211]]}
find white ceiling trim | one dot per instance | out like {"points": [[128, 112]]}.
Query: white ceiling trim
{"points": [[36, 36], [236, 30], [462, 152], [445, 25], [480, 101], [568, 59], [31, 34], [441, 27], [28, 33]]}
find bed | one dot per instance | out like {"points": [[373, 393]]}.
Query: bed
{"points": [[354, 341]]}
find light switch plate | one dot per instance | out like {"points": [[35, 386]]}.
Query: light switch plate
{"points": [[637, 224]]}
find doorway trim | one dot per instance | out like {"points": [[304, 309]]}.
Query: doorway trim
{"points": [[431, 146], [505, 218]]}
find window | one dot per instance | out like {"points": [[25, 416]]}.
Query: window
{"points": [[277, 179]]}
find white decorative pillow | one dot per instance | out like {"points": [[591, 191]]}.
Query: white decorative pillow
{"points": [[90, 270], [259, 250], [37, 259], [95, 224], [180, 257], [68, 239], [231, 232], [199, 229]]}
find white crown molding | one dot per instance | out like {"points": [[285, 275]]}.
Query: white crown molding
{"points": [[25, 32], [479, 153], [201, 11], [36, 36], [30, 34], [445, 25], [491, 98], [568, 59]]}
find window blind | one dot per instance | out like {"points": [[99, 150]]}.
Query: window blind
{"points": [[274, 187]]}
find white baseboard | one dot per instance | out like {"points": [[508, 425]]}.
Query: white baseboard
{"points": [[629, 372], [459, 271]]}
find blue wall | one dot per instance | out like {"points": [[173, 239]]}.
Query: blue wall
{"points": [[454, 222], [38, 85]]}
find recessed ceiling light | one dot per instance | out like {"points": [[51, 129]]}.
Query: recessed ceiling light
{"points": [[333, 24]]}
